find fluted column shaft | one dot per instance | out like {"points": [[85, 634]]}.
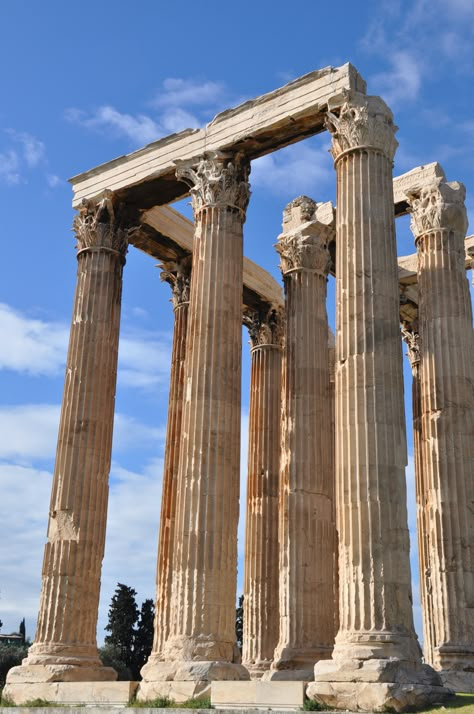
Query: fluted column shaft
{"points": [[67, 620], [307, 525], [412, 339], [447, 413], [202, 625], [178, 275], [375, 585], [261, 621]]}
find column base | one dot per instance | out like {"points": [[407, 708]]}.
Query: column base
{"points": [[376, 685], [257, 669], [43, 673], [458, 681], [184, 680], [296, 664]]}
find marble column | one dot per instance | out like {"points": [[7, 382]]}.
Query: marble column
{"points": [[178, 275], [439, 224], [307, 526], [260, 634], [376, 661], [201, 643], [412, 340], [65, 646]]}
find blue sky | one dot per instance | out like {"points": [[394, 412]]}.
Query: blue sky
{"points": [[85, 83]]}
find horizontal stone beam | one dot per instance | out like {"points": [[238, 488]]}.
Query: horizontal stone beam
{"points": [[146, 177], [172, 236]]}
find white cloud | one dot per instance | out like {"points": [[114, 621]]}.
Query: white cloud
{"points": [[36, 347], [295, 170], [402, 82], [9, 167], [53, 181], [170, 113], [32, 148], [24, 508], [29, 345], [177, 92], [28, 431], [141, 128]]}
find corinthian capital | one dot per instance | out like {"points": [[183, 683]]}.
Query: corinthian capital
{"points": [[439, 206], [265, 327], [411, 338], [102, 224], [217, 180], [309, 228], [178, 275], [363, 122]]}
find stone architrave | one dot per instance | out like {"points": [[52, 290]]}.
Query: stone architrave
{"points": [[307, 528], [178, 275], [65, 648], [439, 224], [260, 634], [411, 337], [376, 661], [201, 644]]}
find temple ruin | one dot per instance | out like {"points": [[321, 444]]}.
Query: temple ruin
{"points": [[327, 583]]}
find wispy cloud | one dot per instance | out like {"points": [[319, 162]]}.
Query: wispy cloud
{"points": [[402, 81], [178, 92], [9, 167], [415, 44], [170, 111], [299, 169], [38, 348], [140, 129]]}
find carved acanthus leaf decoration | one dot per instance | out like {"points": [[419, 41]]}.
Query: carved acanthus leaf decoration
{"points": [[440, 206], [362, 122], [411, 338], [264, 328], [102, 224], [217, 181], [300, 251], [178, 275]]}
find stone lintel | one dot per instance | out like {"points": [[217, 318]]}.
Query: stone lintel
{"points": [[286, 115], [73, 693], [257, 695], [171, 227]]}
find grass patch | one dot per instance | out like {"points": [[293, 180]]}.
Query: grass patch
{"points": [[310, 705], [158, 703], [195, 704]]}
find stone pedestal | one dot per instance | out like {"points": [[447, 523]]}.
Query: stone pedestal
{"points": [[307, 524], [376, 661], [65, 647], [201, 642], [439, 224], [261, 576], [178, 275]]}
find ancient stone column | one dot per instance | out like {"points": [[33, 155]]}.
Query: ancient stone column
{"points": [[65, 642], [201, 643], [377, 659], [307, 525], [412, 339], [261, 576], [439, 224], [178, 275]]}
